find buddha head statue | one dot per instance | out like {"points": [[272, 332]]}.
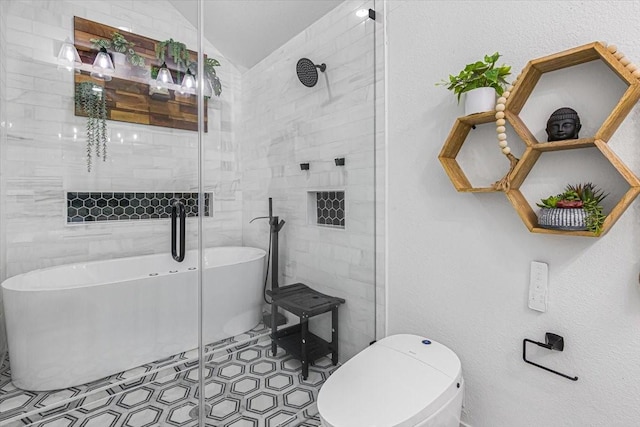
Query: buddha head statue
{"points": [[563, 124]]}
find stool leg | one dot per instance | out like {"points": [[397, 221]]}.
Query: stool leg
{"points": [[274, 329], [334, 335], [304, 329]]}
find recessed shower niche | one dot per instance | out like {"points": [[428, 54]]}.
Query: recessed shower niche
{"points": [[326, 208]]}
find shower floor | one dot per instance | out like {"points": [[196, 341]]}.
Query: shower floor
{"points": [[245, 385]]}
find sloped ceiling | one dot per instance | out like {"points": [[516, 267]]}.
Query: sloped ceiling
{"points": [[247, 31]]}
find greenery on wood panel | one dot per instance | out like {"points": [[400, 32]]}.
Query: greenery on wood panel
{"points": [[120, 44], [90, 98]]}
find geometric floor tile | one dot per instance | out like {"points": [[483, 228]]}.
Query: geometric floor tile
{"points": [[245, 385], [25, 407]]}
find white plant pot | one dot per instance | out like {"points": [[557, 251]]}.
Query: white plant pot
{"points": [[119, 58], [479, 100]]}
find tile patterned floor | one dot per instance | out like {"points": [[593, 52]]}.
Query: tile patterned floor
{"points": [[245, 385]]}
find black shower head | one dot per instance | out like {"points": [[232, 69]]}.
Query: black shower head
{"points": [[308, 73]]}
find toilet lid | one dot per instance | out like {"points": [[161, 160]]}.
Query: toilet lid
{"points": [[387, 386]]}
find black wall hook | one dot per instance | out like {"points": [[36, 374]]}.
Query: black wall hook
{"points": [[552, 342], [304, 166], [339, 161]]}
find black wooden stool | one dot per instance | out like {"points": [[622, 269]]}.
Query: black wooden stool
{"points": [[304, 302]]}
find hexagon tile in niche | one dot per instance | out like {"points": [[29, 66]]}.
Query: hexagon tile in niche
{"points": [[520, 93], [93, 207]]}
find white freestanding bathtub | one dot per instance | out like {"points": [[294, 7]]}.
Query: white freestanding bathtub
{"points": [[73, 324]]}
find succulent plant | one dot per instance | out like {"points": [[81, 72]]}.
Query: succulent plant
{"points": [[580, 196]]}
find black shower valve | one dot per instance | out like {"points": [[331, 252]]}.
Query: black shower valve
{"points": [[304, 166], [339, 161]]}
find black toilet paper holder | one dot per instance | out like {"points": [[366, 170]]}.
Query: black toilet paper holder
{"points": [[552, 342]]}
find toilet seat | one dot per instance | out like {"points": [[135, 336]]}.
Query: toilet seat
{"points": [[396, 382]]}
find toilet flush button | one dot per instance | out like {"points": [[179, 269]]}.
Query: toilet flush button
{"points": [[426, 342]]}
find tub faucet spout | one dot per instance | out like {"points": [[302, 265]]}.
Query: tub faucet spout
{"points": [[259, 217]]}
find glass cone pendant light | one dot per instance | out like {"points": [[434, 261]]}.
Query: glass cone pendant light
{"points": [[102, 66], [164, 76], [68, 56], [188, 83]]}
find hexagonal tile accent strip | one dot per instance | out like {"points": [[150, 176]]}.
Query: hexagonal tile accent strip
{"points": [[298, 398], [85, 207], [262, 403], [245, 386], [520, 93]]}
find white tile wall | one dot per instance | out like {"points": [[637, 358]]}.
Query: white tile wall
{"points": [[3, 139], [45, 149], [285, 124]]}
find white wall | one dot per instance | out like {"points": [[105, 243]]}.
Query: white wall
{"points": [[44, 158], [3, 139], [285, 124], [458, 264]]}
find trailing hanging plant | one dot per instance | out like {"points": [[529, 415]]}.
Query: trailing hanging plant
{"points": [[210, 74], [177, 51], [91, 99]]}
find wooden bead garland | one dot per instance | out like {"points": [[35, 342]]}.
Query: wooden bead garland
{"points": [[630, 66], [500, 121]]}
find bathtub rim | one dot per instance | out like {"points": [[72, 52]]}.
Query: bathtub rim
{"points": [[12, 283]]}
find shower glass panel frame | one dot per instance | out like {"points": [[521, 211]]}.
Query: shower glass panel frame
{"points": [[105, 224], [247, 148]]}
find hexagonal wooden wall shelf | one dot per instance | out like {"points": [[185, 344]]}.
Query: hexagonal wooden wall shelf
{"points": [[530, 218], [521, 92], [452, 146]]}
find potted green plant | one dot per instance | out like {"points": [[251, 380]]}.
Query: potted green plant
{"points": [[480, 81], [577, 208], [176, 50], [90, 98]]}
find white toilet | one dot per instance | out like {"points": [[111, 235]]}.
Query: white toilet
{"points": [[399, 381]]}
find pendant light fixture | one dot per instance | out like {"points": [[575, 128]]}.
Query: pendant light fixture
{"points": [[102, 66], [68, 56], [188, 83], [164, 78]]}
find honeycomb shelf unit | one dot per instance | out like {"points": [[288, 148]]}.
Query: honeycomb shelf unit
{"points": [[522, 90], [452, 146]]}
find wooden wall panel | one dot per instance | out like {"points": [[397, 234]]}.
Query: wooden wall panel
{"points": [[128, 93]]}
